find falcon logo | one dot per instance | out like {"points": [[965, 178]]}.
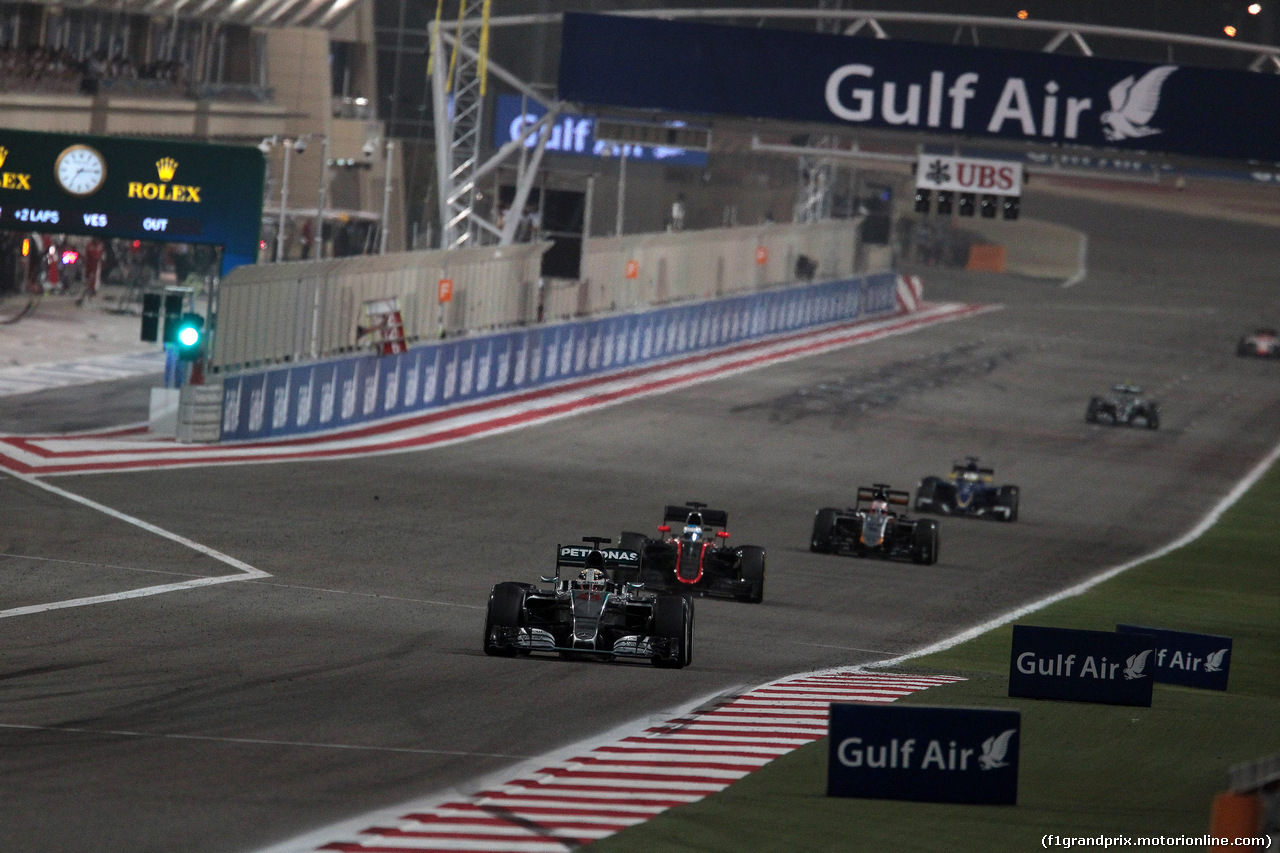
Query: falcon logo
{"points": [[1133, 104], [994, 749], [1135, 664], [1213, 663]]}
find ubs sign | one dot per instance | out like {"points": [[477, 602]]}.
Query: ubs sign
{"points": [[939, 755]]}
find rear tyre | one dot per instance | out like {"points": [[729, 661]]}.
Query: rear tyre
{"points": [[1091, 414], [630, 541], [924, 542], [506, 603], [753, 565], [824, 524], [1008, 497], [1153, 417], [673, 620], [926, 494]]}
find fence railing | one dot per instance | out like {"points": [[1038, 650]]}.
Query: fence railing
{"points": [[291, 312], [296, 312]]}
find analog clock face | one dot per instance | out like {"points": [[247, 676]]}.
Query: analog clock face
{"points": [[80, 170]]}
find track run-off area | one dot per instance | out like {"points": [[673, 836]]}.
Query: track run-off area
{"points": [[345, 677]]}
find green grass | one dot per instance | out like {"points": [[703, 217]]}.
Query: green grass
{"points": [[1085, 769]]}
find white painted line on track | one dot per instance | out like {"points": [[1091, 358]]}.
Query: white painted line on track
{"points": [[1187, 538], [244, 570]]}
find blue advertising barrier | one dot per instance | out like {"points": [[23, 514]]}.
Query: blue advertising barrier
{"points": [[975, 92], [936, 755], [1192, 660], [342, 392], [1081, 666]]}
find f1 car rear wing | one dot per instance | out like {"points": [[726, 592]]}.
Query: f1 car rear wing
{"points": [[579, 557], [710, 517], [896, 497]]}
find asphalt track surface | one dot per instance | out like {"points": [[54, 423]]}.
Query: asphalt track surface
{"points": [[231, 717]]}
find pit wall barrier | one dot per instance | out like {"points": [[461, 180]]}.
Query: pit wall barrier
{"points": [[304, 311], [638, 270], [356, 389]]}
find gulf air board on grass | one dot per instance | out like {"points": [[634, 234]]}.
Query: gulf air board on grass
{"points": [[1188, 659], [1081, 666], [938, 755]]}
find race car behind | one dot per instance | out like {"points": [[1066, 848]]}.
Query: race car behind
{"points": [[698, 559], [589, 614], [968, 490], [1125, 405], [1263, 343], [872, 528]]}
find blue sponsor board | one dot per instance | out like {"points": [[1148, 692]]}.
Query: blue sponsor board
{"points": [[1192, 660], [1082, 666], [341, 392], [958, 90], [576, 135], [936, 755]]}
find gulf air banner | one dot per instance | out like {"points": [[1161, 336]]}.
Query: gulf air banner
{"points": [[792, 75]]}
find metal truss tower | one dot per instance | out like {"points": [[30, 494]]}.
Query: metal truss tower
{"points": [[817, 173], [458, 81]]}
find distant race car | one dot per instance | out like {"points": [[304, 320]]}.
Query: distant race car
{"points": [[1263, 343], [695, 557], [1124, 405], [589, 614], [871, 528], [968, 490]]}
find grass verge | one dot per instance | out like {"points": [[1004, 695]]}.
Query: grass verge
{"points": [[1085, 769]]}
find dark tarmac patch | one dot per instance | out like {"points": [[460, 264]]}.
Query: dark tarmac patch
{"points": [[862, 392]]}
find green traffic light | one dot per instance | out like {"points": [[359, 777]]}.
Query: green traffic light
{"points": [[188, 336]]}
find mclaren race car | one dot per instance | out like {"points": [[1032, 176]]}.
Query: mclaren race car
{"points": [[589, 614], [1124, 405], [872, 528], [968, 490], [1263, 343], [696, 558]]}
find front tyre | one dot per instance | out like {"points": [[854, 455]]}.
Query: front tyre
{"points": [[506, 604], [1007, 497], [824, 525], [924, 542], [673, 622], [752, 573]]}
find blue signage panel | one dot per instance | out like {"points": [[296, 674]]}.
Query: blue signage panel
{"points": [[1082, 666], [325, 395], [976, 92], [936, 755], [576, 134], [1192, 660]]}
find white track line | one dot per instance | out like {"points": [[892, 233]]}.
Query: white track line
{"points": [[1082, 269], [245, 571], [1187, 538]]}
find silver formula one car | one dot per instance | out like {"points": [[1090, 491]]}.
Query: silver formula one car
{"points": [[590, 615], [1124, 406], [1263, 343]]}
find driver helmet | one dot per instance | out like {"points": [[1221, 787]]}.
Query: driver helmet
{"points": [[692, 532], [879, 506], [593, 577]]}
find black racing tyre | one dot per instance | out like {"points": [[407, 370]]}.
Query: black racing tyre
{"points": [[673, 620], [630, 541], [506, 605], [1008, 496], [824, 524], [926, 493], [1153, 417], [1091, 414], [1242, 348], [924, 542], [753, 565]]}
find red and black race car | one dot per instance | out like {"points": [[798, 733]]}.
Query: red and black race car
{"points": [[1263, 343], [693, 556]]}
